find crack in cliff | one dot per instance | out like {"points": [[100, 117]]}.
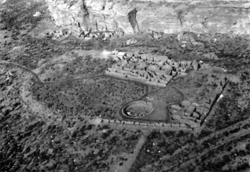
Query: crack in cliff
{"points": [[85, 14], [133, 21]]}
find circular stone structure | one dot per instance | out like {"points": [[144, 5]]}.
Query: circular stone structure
{"points": [[137, 109]]}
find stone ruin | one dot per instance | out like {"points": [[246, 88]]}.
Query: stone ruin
{"points": [[149, 69], [85, 34], [160, 71]]}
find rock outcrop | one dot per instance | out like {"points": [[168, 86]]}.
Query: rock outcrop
{"points": [[168, 16], [70, 14]]}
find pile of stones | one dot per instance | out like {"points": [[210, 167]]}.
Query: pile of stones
{"points": [[87, 34]]}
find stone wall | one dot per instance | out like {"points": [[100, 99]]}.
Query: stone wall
{"points": [[161, 126], [168, 16]]}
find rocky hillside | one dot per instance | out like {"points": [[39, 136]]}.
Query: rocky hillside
{"points": [[168, 16]]}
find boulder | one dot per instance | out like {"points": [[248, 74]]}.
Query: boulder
{"points": [[37, 14], [196, 65], [131, 41]]}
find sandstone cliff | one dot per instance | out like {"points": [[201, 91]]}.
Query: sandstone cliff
{"points": [[168, 16]]}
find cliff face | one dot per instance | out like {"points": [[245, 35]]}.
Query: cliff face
{"points": [[168, 16]]}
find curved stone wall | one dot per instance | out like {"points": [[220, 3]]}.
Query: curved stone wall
{"points": [[130, 109]]}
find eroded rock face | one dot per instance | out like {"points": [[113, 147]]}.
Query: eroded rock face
{"points": [[168, 16], [68, 13]]}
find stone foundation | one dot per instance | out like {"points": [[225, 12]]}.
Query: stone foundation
{"points": [[159, 125]]}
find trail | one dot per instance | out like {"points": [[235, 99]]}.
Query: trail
{"points": [[42, 82], [132, 157]]}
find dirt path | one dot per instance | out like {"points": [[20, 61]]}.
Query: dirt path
{"points": [[37, 77], [36, 107], [132, 157], [21, 67]]}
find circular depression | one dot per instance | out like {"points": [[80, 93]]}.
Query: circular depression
{"points": [[137, 109]]}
